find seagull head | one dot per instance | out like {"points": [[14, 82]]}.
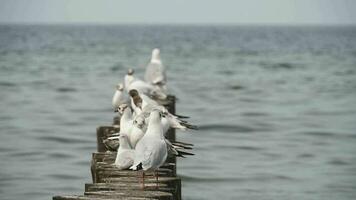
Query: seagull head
{"points": [[122, 108], [139, 122], [133, 93], [155, 114], [120, 87], [130, 71], [155, 54]]}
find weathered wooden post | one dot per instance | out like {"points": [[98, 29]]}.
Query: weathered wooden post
{"points": [[110, 183]]}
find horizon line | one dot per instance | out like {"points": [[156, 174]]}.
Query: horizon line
{"points": [[177, 24]]}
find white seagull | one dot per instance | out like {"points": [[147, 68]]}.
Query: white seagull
{"points": [[133, 83], [143, 106], [125, 154], [156, 72], [151, 151], [119, 97], [127, 127]]}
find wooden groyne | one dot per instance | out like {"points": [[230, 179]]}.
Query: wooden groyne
{"points": [[111, 183]]}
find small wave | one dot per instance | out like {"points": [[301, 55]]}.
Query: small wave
{"points": [[254, 114], [26, 154], [320, 134], [353, 136], [247, 148], [330, 113], [35, 193], [270, 177], [82, 163], [226, 128], [210, 179], [7, 84], [6, 149], [70, 123], [272, 155], [281, 65], [236, 87], [306, 155], [226, 72], [63, 176], [338, 161], [246, 53], [117, 67], [60, 139], [345, 73], [6, 118], [89, 110], [257, 178], [60, 155], [66, 89]]}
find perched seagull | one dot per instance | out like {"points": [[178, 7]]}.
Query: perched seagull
{"points": [[143, 106], [134, 133], [125, 154], [119, 97], [139, 101], [128, 79], [132, 83], [151, 151], [156, 72]]}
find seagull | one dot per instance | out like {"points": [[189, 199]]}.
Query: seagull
{"points": [[125, 153], [151, 151], [134, 133], [143, 87], [128, 79], [156, 72], [119, 96], [139, 101], [143, 106]]}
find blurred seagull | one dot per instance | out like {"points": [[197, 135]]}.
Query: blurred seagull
{"points": [[143, 87], [119, 97], [156, 72]]}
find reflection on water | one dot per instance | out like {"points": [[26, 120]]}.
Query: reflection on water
{"points": [[275, 105]]}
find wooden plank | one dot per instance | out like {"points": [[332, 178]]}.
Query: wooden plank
{"points": [[109, 158], [171, 185], [132, 193], [124, 185], [103, 132], [82, 197]]}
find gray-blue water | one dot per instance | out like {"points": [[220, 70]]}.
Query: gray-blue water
{"points": [[276, 106]]}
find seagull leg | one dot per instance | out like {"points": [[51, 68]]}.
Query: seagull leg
{"points": [[156, 174], [138, 177], [143, 180]]}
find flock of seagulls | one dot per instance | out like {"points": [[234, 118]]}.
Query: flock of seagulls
{"points": [[145, 122]]}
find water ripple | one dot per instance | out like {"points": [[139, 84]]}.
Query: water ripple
{"points": [[66, 89], [60, 139], [226, 128]]}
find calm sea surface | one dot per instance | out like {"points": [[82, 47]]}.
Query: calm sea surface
{"points": [[276, 106]]}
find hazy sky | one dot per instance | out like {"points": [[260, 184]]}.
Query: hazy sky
{"points": [[179, 11]]}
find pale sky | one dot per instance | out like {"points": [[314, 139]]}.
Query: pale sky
{"points": [[179, 11]]}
